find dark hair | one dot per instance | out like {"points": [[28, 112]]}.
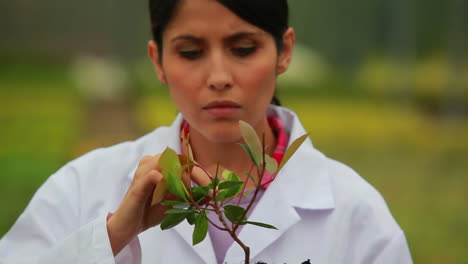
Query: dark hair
{"points": [[270, 15]]}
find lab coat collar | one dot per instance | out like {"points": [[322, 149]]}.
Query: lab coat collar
{"points": [[306, 172], [302, 183]]}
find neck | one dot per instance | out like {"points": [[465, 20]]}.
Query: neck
{"points": [[230, 155]]}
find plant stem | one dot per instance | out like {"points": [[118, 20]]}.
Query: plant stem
{"points": [[245, 186], [234, 236], [243, 246], [217, 226], [260, 172], [231, 231], [203, 169]]}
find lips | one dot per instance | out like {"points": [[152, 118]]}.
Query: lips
{"points": [[222, 108], [221, 104]]}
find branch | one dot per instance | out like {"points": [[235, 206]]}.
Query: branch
{"points": [[245, 185], [203, 169], [258, 186]]}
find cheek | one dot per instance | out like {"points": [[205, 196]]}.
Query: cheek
{"points": [[260, 80], [181, 84]]}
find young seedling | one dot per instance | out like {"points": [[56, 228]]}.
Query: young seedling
{"points": [[194, 203]]}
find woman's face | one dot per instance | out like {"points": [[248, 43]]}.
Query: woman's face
{"points": [[219, 68]]}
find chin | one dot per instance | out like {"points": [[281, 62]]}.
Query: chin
{"points": [[224, 132], [225, 136]]}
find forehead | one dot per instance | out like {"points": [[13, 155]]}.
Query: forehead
{"points": [[206, 18]]}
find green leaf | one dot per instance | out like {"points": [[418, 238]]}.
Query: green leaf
{"points": [[271, 164], [180, 211], [201, 189], [200, 192], [172, 203], [176, 186], [231, 176], [171, 169], [258, 224], [251, 177], [191, 218], [169, 162], [234, 213], [229, 188], [250, 137], [172, 220], [227, 175], [229, 184], [249, 152], [201, 228], [292, 149], [229, 193], [214, 183]]}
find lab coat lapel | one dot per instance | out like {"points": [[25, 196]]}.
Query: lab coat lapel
{"points": [[302, 183], [267, 211], [305, 188], [204, 249]]}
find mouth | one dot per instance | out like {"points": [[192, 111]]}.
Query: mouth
{"points": [[221, 104], [222, 108]]}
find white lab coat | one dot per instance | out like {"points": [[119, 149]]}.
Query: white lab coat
{"points": [[324, 211]]}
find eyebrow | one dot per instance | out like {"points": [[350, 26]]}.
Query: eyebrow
{"points": [[231, 38], [242, 35], [186, 37]]}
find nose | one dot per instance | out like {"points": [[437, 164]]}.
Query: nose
{"points": [[219, 74]]}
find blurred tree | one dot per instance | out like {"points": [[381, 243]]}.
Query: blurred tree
{"points": [[68, 28], [344, 31], [457, 42]]}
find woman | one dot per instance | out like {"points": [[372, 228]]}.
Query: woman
{"points": [[220, 60]]}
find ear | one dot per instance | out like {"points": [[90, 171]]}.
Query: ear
{"points": [[284, 60], [155, 57]]}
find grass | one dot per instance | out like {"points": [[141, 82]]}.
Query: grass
{"points": [[40, 121], [36, 136], [22, 174]]}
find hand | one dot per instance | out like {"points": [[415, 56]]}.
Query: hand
{"points": [[135, 214], [138, 212]]}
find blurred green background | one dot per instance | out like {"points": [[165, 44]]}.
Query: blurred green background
{"points": [[381, 85]]}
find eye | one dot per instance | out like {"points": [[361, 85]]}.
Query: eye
{"points": [[243, 51], [190, 54]]}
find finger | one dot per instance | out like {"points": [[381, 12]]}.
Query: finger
{"points": [[200, 177], [186, 180], [143, 186], [156, 212], [184, 161], [159, 193], [147, 163]]}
